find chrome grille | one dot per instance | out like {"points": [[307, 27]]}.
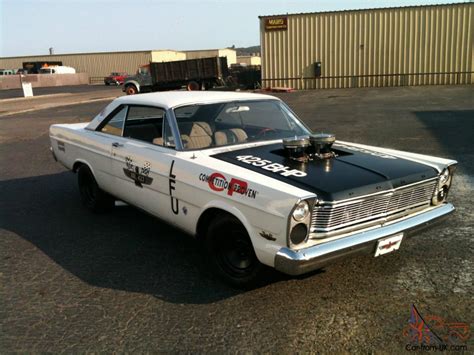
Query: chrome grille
{"points": [[331, 217]]}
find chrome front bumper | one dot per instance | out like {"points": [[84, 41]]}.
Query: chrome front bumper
{"points": [[297, 262]]}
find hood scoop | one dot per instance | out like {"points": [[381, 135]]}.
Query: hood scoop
{"points": [[308, 148]]}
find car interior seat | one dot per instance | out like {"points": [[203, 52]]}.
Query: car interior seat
{"points": [[194, 135], [230, 136]]}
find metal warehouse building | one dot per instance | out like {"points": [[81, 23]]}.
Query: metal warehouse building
{"points": [[420, 45], [103, 63]]}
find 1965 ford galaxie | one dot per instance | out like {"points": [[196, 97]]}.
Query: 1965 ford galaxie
{"points": [[245, 176]]}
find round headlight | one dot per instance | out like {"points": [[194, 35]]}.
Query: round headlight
{"points": [[301, 211], [444, 177]]}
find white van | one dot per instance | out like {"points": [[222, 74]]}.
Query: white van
{"points": [[57, 69], [7, 72]]}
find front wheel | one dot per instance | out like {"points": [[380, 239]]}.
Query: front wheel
{"points": [[231, 253], [131, 90], [92, 196]]}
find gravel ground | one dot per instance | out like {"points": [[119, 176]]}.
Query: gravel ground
{"points": [[71, 281]]}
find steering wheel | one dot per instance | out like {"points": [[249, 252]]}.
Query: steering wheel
{"points": [[263, 132]]}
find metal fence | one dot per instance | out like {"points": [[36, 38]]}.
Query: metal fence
{"points": [[96, 80], [376, 80]]}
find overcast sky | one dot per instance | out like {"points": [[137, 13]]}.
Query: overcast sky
{"points": [[30, 27]]}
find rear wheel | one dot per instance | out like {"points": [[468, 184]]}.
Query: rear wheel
{"points": [[131, 90], [193, 86], [92, 196], [231, 253]]}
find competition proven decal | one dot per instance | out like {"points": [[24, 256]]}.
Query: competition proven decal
{"points": [[218, 182], [138, 174]]}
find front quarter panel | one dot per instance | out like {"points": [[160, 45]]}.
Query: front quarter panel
{"points": [[202, 182]]}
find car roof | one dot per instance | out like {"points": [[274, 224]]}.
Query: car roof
{"points": [[170, 99]]}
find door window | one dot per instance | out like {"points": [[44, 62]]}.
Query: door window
{"points": [[145, 123]]}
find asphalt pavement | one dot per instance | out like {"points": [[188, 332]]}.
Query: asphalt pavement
{"points": [[54, 98], [72, 281]]}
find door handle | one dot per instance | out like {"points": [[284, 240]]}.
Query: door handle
{"points": [[117, 145]]}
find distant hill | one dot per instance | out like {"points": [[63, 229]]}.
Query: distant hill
{"points": [[248, 50]]}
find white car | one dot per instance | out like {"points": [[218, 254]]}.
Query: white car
{"points": [[243, 174]]}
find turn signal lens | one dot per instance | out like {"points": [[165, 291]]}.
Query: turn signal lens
{"points": [[444, 177]]}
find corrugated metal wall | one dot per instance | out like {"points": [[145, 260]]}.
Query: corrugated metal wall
{"points": [[425, 45], [167, 56], [231, 54], [96, 64]]}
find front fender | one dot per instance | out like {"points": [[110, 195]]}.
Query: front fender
{"points": [[131, 82], [435, 162], [265, 249]]}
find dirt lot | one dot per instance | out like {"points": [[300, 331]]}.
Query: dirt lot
{"points": [[73, 281]]}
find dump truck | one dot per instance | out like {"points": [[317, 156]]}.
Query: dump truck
{"points": [[193, 74]]}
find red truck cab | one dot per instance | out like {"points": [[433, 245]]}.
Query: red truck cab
{"points": [[115, 78]]}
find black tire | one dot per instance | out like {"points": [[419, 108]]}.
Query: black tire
{"points": [[193, 86], [131, 90], [231, 253], [107, 83], [92, 196]]}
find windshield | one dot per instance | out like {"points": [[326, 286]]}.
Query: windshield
{"points": [[220, 124]]}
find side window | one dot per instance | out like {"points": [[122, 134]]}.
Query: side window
{"points": [[144, 70], [115, 125], [145, 123]]}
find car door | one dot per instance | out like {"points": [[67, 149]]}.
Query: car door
{"points": [[141, 164], [144, 76], [107, 134]]}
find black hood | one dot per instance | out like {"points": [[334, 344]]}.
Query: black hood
{"points": [[353, 172]]}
